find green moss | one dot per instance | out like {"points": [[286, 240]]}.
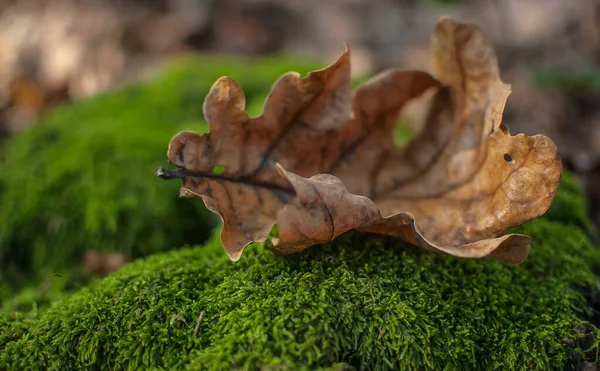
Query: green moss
{"points": [[12, 327], [368, 303], [83, 178]]}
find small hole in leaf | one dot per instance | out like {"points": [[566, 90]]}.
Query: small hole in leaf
{"points": [[507, 157], [218, 169]]}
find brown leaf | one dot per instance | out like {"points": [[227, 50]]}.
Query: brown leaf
{"points": [[27, 95], [103, 263], [457, 185]]}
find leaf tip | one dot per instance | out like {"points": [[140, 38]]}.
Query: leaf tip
{"points": [[280, 170], [234, 257], [346, 48], [513, 248], [188, 193], [225, 91], [234, 250], [444, 24]]}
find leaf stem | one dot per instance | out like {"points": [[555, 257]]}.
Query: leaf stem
{"points": [[170, 174]]}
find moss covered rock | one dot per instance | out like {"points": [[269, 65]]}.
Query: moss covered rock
{"points": [[361, 302], [83, 178]]}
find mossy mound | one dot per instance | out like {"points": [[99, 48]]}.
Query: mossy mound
{"points": [[362, 302], [83, 178]]}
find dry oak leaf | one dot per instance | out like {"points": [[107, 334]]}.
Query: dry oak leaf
{"points": [[321, 161]]}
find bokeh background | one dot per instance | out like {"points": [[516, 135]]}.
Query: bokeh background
{"points": [[56, 53]]}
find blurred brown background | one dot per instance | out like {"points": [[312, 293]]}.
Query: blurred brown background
{"points": [[55, 51]]}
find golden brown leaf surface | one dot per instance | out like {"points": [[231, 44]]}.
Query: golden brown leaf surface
{"points": [[321, 160]]}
